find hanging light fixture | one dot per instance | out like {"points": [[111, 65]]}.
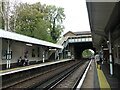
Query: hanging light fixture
{"points": [[29, 44]]}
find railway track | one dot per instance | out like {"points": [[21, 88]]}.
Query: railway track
{"points": [[73, 80], [23, 83], [55, 81], [52, 78]]}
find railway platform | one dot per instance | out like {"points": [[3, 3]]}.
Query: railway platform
{"points": [[100, 78], [19, 69]]}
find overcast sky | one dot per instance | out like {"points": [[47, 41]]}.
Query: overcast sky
{"points": [[75, 11]]}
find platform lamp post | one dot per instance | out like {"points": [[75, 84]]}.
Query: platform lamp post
{"points": [[110, 54]]}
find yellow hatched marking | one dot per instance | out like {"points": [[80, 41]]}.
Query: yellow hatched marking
{"points": [[8, 70], [102, 80]]}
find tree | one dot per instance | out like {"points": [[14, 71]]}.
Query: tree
{"points": [[55, 17], [14, 13], [30, 21], [38, 21], [4, 14], [42, 32], [6, 8], [1, 19], [86, 53]]}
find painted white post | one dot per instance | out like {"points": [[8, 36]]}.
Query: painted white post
{"points": [[110, 54], [58, 55], [9, 64], [8, 49], [8, 56], [43, 56], [102, 54]]}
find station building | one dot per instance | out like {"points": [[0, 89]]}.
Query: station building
{"points": [[13, 46]]}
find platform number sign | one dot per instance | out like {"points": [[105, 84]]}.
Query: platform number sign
{"points": [[6, 55]]}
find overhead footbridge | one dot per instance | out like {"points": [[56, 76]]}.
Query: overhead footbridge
{"points": [[74, 43]]}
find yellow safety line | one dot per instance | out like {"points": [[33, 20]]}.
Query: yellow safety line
{"points": [[28, 66], [102, 79]]}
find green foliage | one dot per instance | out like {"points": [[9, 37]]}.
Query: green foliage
{"points": [[55, 17], [0, 22], [39, 21], [41, 31], [1, 17], [86, 53]]}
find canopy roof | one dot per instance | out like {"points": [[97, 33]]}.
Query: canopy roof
{"points": [[23, 38], [103, 17]]}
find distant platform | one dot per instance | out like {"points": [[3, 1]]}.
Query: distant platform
{"points": [[18, 69]]}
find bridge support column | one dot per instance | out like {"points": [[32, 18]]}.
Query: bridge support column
{"points": [[110, 54]]}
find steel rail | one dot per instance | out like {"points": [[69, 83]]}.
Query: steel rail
{"points": [[83, 77], [80, 77], [53, 81], [32, 77]]}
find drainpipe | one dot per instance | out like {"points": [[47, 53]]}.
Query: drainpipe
{"points": [[110, 55]]}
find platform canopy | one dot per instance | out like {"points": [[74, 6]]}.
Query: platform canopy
{"points": [[26, 39], [104, 18]]}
